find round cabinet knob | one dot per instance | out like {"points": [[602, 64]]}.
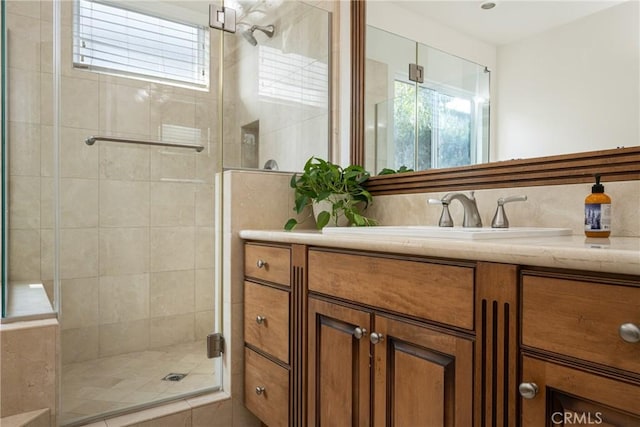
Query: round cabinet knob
{"points": [[260, 390], [375, 337], [630, 333], [528, 390], [358, 333], [261, 263], [261, 319]]}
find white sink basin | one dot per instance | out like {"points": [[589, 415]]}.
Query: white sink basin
{"points": [[420, 231]]}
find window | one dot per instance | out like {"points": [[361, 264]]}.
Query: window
{"points": [[116, 40], [435, 128]]}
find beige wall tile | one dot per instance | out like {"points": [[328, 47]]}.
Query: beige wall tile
{"points": [[79, 344], [205, 241], [24, 255], [171, 292], [79, 105], [205, 203], [24, 96], [124, 204], [237, 333], [23, 42], [46, 45], [204, 324], [173, 106], [46, 96], [172, 204], [78, 253], [126, 337], [26, 8], [173, 163], [28, 368], [171, 330], [208, 163], [179, 419], [24, 202], [77, 159], [79, 306], [172, 248], [24, 149], [124, 109], [124, 298], [204, 289], [217, 414], [124, 251], [78, 203], [241, 415], [123, 161]]}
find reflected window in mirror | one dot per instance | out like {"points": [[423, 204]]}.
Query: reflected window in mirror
{"points": [[435, 116]]}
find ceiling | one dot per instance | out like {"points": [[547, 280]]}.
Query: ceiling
{"points": [[509, 21]]}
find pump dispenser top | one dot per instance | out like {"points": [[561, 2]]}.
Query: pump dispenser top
{"points": [[597, 211]]}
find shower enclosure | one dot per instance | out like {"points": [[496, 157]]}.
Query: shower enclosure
{"points": [[117, 118]]}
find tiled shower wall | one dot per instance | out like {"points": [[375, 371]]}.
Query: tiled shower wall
{"points": [[283, 83], [136, 226]]}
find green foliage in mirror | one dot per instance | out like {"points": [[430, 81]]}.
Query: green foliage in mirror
{"points": [[341, 187]]}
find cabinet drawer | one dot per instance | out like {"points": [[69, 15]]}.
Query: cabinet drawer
{"points": [[270, 332], [581, 319], [442, 293], [271, 403], [270, 263]]}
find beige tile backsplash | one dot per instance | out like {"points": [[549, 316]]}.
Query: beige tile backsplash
{"points": [[547, 206]]}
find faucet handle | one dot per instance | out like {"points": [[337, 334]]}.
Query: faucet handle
{"points": [[503, 200], [500, 219], [445, 217]]}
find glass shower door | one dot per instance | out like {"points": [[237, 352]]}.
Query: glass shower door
{"points": [[137, 236]]}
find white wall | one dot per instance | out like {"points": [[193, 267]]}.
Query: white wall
{"points": [[547, 85]]}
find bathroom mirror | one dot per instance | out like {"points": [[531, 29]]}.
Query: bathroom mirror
{"points": [[578, 106]]}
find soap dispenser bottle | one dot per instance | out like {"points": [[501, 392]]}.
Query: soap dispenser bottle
{"points": [[597, 212]]}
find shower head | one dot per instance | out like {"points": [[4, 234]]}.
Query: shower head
{"points": [[268, 30]]}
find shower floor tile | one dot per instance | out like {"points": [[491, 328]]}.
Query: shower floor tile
{"points": [[114, 383]]}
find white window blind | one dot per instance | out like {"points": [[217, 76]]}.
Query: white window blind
{"points": [[113, 39]]}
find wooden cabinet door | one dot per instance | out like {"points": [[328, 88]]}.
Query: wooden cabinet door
{"points": [[570, 396], [422, 377], [339, 366]]}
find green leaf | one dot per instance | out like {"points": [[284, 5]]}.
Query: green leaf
{"points": [[323, 219], [301, 202], [290, 224]]}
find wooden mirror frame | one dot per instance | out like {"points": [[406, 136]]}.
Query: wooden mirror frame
{"points": [[618, 164]]}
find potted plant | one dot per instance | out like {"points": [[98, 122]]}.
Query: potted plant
{"points": [[335, 193]]}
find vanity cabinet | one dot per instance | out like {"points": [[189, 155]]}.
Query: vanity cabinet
{"points": [[368, 368], [580, 351], [368, 365], [337, 337]]}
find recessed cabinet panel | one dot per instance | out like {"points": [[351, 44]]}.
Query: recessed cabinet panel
{"points": [[266, 319], [266, 389], [581, 319], [338, 366], [270, 263], [442, 293], [568, 396], [422, 377]]}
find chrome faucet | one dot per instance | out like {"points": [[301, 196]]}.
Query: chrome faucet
{"points": [[471, 214]]}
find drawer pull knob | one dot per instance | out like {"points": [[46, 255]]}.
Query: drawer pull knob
{"points": [[375, 338], [528, 390], [630, 333], [261, 319], [358, 333], [260, 390], [261, 263]]}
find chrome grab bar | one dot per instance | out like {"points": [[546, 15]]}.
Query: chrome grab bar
{"points": [[92, 140]]}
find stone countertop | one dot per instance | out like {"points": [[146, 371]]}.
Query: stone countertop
{"points": [[614, 255]]}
